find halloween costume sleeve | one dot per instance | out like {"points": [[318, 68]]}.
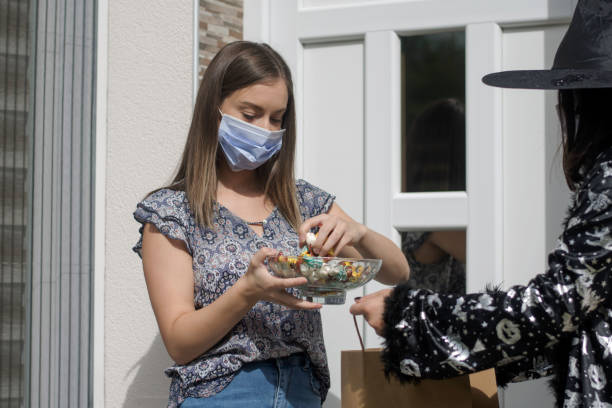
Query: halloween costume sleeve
{"points": [[517, 331]]}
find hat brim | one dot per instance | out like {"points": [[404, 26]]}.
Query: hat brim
{"points": [[550, 79]]}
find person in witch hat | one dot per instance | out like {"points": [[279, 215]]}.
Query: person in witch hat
{"points": [[561, 321]]}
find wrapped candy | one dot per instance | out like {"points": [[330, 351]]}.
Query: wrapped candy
{"points": [[306, 250], [310, 239], [320, 270], [328, 278]]}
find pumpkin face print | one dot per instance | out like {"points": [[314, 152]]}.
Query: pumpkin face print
{"points": [[508, 332], [409, 367], [597, 377]]}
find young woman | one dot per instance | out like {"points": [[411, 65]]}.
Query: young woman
{"points": [[237, 335], [560, 322]]}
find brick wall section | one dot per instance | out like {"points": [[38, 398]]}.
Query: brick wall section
{"points": [[220, 23]]}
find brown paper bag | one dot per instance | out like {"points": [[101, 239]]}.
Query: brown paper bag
{"points": [[364, 385], [484, 389]]}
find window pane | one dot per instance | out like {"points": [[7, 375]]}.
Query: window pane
{"points": [[437, 260], [433, 125]]}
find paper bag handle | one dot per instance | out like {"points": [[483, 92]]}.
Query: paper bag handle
{"points": [[358, 334]]}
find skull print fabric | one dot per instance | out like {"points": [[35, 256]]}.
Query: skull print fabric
{"points": [[559, 323]]}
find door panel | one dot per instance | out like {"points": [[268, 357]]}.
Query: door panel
{"points": [[333, 158], [535, 197]]}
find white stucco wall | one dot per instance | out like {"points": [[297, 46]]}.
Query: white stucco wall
{"points": [[149, 99]]}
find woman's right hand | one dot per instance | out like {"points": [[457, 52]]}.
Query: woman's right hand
{"points": [[258, 284]]}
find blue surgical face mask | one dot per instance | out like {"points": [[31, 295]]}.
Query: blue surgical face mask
{"points": [[247, 146]]}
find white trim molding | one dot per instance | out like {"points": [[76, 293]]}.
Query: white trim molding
{"points": [[382, 106], [256, 20], [100, 205], [484, 151], [352, 21], [430, 211], [196, 49], [382, 128]]}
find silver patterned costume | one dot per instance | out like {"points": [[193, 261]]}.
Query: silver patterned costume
{"points": [[557, 324]]}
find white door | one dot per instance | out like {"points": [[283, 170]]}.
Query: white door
{"points": [[350, 76]]}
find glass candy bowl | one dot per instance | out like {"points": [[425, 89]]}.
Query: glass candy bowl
{"points": [[328, 277]]}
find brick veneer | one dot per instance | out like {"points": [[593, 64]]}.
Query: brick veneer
{"points": [[220, 23]]}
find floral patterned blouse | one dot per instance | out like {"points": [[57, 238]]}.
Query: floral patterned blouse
{"points": [[559, 323], [221, 256], [446, 276]]}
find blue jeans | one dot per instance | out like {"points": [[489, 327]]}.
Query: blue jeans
{"points": [[287, 382]]}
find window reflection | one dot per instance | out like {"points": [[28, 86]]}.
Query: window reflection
{"points": [[437, 260], [433, 126]]}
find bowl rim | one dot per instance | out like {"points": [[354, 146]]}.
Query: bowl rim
{"points": [[326, 258]]}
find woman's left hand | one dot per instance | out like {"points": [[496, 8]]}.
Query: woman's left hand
{"points": [[372, 307], [335, 232]]}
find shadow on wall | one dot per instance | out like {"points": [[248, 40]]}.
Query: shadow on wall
{"points": [[332, 401], [149, 387]]}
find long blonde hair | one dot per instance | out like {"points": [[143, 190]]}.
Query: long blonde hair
{"points": [[236, 66]]}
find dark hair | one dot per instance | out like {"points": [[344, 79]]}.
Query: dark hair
{"points": [[236, 66], [586, 127], [435, 148]]}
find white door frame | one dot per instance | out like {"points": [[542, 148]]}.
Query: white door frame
{"points": [[288, 25]]}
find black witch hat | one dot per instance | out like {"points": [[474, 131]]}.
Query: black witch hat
{"points": [[583, 59]]}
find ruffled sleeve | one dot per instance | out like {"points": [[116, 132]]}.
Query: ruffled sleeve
{"points": [[168, 210], [312, 200]]}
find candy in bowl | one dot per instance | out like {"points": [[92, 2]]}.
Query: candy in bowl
{"points": [[328, 277]]}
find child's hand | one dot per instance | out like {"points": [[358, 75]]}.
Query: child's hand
{"points": [[259, 284], [372, 307]]}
